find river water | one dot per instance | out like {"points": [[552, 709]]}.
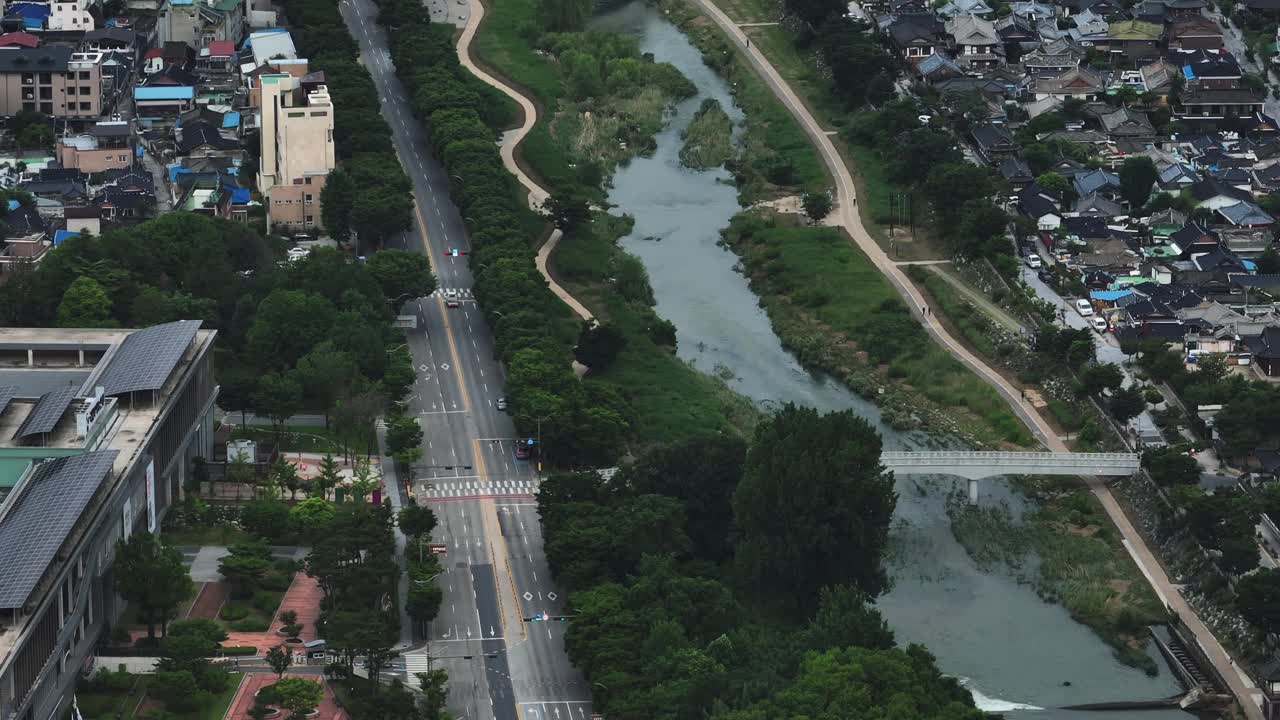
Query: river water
{"points": [[1014, 651]]}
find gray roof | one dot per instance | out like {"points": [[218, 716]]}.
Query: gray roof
{"points": [[146, 358], [45, 59], [34, 382], [38, 518], [7, 393], [1246, 213]]}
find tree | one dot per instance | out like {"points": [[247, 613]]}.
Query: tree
{"points": [[816, 205], [289, 323], [568, 212], [336, 200], [204, 628], [416, 521], [435, 691], [150, 574], [245, 566], [189, 653], [312, 516], [1258, 599], [403, 433], [279, 660], [279, 397], [36, 136], [599, 345], [298, 695], [1268, 262], [402, 275], [563, 15], [1099, 378], [363, 481], [1171, 466], [265, 517], [1137, 175], [329, 477], [284, 474], [1127, 403], [85, 305], [847, 617], [814, 506], [1057, 185]]}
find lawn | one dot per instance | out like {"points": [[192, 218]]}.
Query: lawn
{"points": [[294, 438], [205, 535], [102, 705], [961, 314], [815, 280]]}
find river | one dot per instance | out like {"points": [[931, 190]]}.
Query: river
{"points": [[1014, 651]]}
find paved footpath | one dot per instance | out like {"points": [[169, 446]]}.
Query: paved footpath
{"points": [[507, 149], [852, 223]]}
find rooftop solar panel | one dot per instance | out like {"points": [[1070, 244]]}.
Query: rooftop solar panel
{"points": [[147, 357], [7, 393], [46, 509], [47, 412]]}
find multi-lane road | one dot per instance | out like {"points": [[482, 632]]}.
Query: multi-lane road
{"points": [[500, 665]]}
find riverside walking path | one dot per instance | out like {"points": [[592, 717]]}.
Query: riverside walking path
{"points": [[507, 149], [848, 218]]}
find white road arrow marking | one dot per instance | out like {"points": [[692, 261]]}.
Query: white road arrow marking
{"points": [[491, 632]]}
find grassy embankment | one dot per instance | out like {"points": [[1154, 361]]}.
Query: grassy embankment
{"points": [[1081, 561], [573, 148], [836, 312]]}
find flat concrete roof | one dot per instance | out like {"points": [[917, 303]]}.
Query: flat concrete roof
{"points": [[34, 382]]}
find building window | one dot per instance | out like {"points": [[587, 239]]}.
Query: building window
{"points": [[46, 78], [306, 181], [46, 93], [86, 107], [29, 106], [84, 74], [46, 108], [85, 89], [310, 219], [28, 78], [308, 197]]}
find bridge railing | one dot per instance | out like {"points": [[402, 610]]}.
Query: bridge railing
{"points": [[996, 458]]}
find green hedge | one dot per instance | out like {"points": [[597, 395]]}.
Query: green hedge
{"points": [[236, 650], [251, 625], [233, 611]]}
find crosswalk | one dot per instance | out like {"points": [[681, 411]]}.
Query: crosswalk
{"points": [[453, 489], [414, 664], [460, 293]]}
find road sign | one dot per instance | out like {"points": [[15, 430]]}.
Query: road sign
{"points": [[439, 548]]}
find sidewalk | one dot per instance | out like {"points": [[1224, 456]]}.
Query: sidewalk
{"points": [[852, 222], [510, 140]]}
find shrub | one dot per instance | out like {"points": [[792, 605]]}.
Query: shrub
{"points": [[289, 617], [292, 630], [268, 695], [251, 625], [275, 582], [267, 601], [198, 627], [239, 650], [214, 680], [111, 681], [233, 611]]}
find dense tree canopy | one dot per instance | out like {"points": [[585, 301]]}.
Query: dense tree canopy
{"points": [[814, 506]]}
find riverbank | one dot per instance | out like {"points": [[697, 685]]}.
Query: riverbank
{"points": [[587, 125], [1063, 545], [836, 312]]}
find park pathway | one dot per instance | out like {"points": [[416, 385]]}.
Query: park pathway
{"points": [[851, 221], [507, 149]]}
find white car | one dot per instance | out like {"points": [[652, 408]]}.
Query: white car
{"points": [[451, 299], [296, 253], [1084, 307], [1099, 324], [1033, 261], [502, 404]]}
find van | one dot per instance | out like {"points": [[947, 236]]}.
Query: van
{"points": [[1084, 307]]}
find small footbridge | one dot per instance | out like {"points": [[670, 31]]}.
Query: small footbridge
{"points": [[976, 465]]}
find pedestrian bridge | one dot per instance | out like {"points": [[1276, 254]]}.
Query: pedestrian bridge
{"points": [[978, 465]]}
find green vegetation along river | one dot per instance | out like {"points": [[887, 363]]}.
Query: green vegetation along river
{"points": [[1015, 651]]}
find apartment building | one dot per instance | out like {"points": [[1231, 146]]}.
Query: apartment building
{"points": [[296, 130], [105, 146], [53, 80], [98, 429]]}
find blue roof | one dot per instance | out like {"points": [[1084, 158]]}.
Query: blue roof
{"points": [[28, 10], [61, 235], [240, 196], [1108, 295], [231, 119], [175, 92], [1187, 72], [13, 205], [1249, 265]]}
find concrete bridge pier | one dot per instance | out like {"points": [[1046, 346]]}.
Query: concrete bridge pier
{"points": [[973, 491]]}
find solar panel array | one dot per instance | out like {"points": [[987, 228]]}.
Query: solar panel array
{"points": [[147, 357], [47, 509], [7, 393], [47, 412]]}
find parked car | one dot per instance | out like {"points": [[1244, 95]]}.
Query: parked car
{"points": [[1099, 324], [1033, 261], [502, 404], [296, 253], [1084, 307], [1045, 275]]}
